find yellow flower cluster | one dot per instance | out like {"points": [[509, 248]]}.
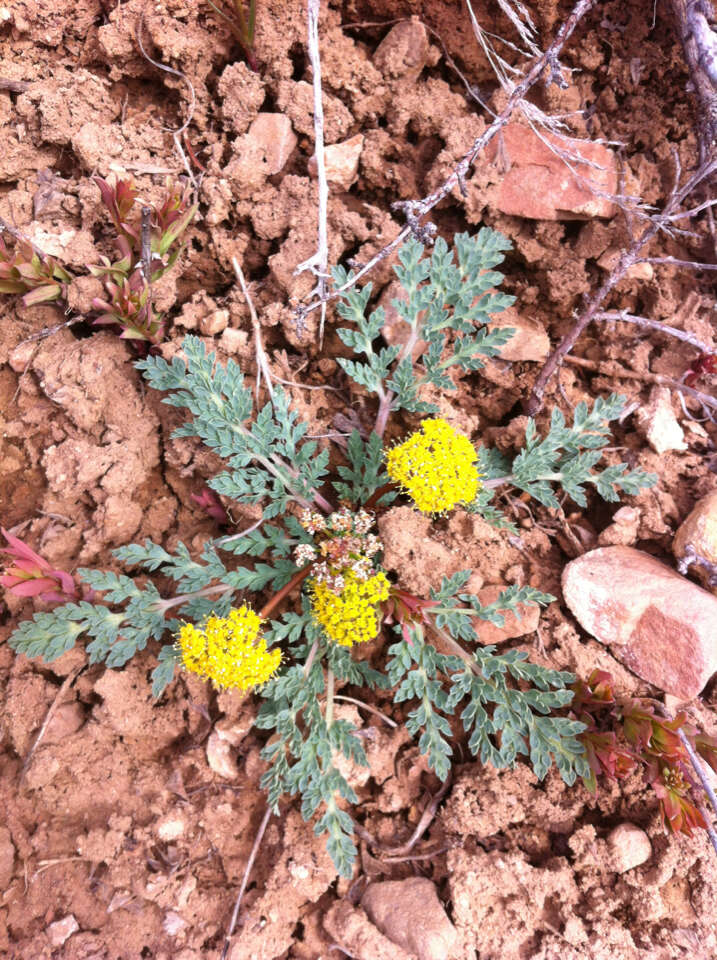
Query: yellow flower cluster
{"points": [[435, 467], [229, 651], [350, 616]]}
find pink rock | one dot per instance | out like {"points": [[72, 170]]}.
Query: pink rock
{"points": [[539, 185], [513, 627], [699, 532], [271, 133], [410, 913], [660, 625], [629, 847], [341, 161]]}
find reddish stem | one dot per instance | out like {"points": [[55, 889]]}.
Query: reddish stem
{"points": [[298, 578]]}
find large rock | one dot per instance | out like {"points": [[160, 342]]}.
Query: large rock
{"points": [[410, 913], [699, 532], [658, 624], [539, 184]]}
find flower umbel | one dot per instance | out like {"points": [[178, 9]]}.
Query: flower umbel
{"points": [[435, 467], [351, 616], [229, 651]]}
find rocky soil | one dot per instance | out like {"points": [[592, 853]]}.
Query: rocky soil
{"points": [[127, 831]]}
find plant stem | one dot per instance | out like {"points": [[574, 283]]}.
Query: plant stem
{"points": [[163, 605], [377, 494], [271, 604], [366, 706], [330, 680], [310, 659]]}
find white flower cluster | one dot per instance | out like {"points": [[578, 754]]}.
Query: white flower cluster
{"points": [[345, 546]]}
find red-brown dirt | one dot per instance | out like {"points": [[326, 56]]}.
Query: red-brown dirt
{"points": [[118, 819]]}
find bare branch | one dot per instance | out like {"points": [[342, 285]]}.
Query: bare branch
{"points": [[610, 368], [626, 260], [245, 880], [176, 134], [673, 262]]}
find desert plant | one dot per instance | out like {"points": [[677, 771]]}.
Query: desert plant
{"points": [[293, 652], [147, 246], [622, 734]]}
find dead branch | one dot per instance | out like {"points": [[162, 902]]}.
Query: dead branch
{"points": [[318, 262], [262, 361], [419, 208], [66, 684], [13, 86], [609, 368], [627, 259], [699, 42], [621, 316]]}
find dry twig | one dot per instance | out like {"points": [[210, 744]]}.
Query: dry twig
{"points": [[610, 368], [318, 262], [66, 684], [178, 133]]}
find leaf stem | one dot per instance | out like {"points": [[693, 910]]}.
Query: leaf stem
{"points": [[330, 683], [163, 605]]}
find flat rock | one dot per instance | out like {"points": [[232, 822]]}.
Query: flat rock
{"points": [[410, 913], [529, 342], [514, 626], [658, 624], [699, 532], [341, 161], [538, 184]]}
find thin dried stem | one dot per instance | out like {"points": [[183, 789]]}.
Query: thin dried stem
{"points": [[626, 260], [262, 361], [673, 262], [66, 684], [318, 262], [178, 133], [426, 819], [610, 368], [621, 316], [366, 706]]}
